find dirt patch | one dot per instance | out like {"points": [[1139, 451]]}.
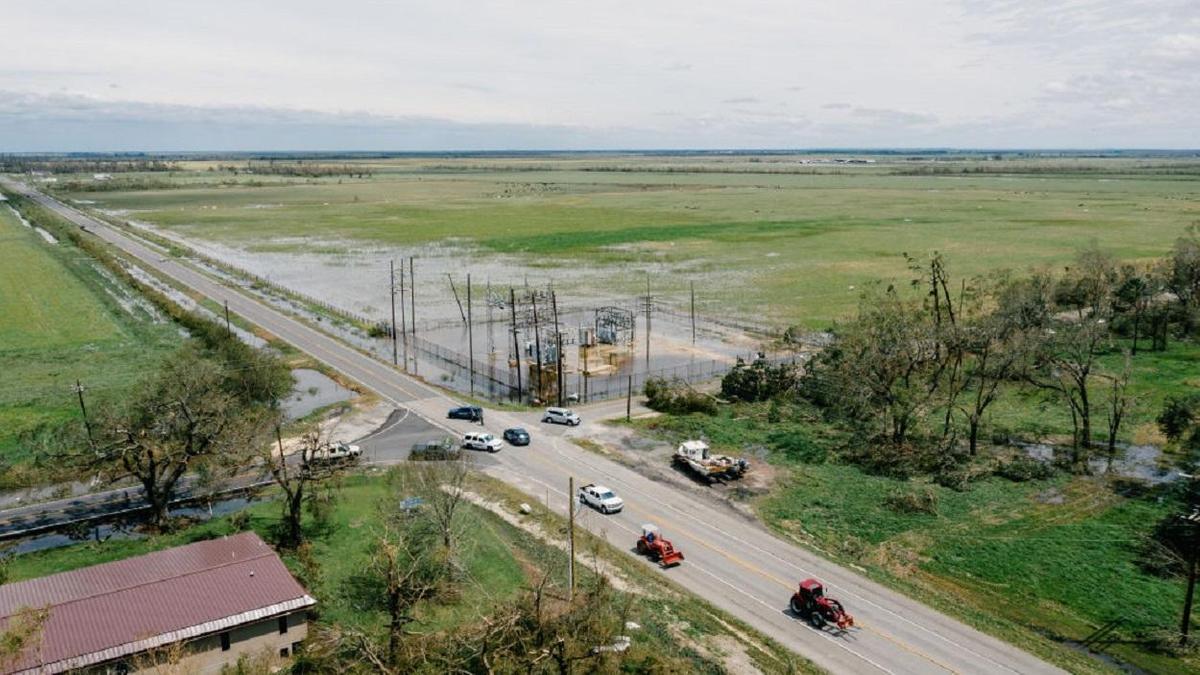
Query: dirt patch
{"points": [[725, 649], [618, 580]]}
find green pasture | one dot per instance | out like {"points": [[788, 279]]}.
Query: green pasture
{"points": [[60, 321], [796, 247]]}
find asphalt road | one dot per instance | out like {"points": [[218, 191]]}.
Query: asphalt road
{"points": [[731, 561]]}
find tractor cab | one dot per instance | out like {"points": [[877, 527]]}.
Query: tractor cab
{"points": [[649, 532], [811, 590]]}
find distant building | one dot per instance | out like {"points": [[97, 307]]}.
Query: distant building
{"points": [[218, 599]]}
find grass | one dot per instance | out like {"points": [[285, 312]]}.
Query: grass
{"points": [[498, 559], [795, 246], [1036, 563], [63, 319]]}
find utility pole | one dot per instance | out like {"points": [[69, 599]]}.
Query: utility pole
{"points": [[87, 425], [537, 346], [558, 348], [412, 315], [456, 300], [1192, 522], [648, 322], [228, 327], [392, 295], [403, 319], [629, 398], [571, 536], [512, 305], [693, 312], [470, 336]]}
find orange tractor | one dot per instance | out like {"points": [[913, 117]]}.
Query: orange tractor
{"points": [[652, 545], [809, 603]]}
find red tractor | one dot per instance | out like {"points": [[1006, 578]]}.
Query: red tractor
{"points": [[652, 545], [809, 603]]}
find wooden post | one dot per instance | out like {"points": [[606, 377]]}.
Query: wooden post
{"points": [[470, 337], [412, 315], [456, 300], [629, 398], [558, 360], [537, 346], [1185, 624], [571, 536], [403, 319], [87, 425], [512, 304], [392, 295], [647, 322], [228, 327], [693, 312]]}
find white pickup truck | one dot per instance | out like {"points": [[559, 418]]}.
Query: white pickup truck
{"points": [[336, 452], [600, 498]]}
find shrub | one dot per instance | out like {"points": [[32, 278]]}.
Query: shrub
{"points": [[1022, 468], [677, 398], [759, 381], [913, 500]]}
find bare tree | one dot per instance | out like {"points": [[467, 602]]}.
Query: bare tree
{"points": [[1064, 365], [410, 566], [441, 486], [1118, 405], [996, 351], [186, 418], [305, 476]]}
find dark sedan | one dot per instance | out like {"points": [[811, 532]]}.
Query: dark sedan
{"points": [[466, 412], [516, 436]]}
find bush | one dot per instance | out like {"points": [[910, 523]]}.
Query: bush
{"points": [[913, 500], [1022, 468], [759, 381], [677, 398]]}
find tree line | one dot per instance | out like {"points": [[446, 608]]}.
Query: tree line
{"points": [[915, 375]]}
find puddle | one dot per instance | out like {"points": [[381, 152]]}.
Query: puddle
{"points": [[313, 390], [1136, 462]]}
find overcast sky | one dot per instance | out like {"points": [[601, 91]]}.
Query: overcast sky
{"points": [[534, 74]]}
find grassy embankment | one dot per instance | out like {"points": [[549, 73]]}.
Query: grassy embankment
{"points": [[63, 319], [500, 561], [790, 246], [1037, 563]]}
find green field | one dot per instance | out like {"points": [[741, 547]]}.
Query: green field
{"points": [[62, 320], [795, 246]]}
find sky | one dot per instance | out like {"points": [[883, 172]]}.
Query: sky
{"points": [[162, 75]]}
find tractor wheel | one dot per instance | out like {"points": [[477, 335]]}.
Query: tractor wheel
{"points": [[797, 606], [642, 549], [816, 620]]}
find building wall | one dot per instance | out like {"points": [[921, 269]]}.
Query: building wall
{"points": [[204, 655]]}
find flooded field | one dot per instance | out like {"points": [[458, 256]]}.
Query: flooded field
{"points": [[601, 324]]}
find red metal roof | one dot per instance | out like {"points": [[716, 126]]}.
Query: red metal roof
{"points": [[106, 611]]}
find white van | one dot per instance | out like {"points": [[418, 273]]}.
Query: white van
{"points": [[481, 441]]}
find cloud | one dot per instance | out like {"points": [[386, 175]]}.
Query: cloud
{"points": [[678, 67], [741, 100], [896, 117], [837, 106]]}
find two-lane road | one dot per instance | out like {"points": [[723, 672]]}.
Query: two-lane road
{"points": [[731, 561]]}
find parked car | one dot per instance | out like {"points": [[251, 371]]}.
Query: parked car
{"points": [[561, 416], [466, 412], [435, 450], [481, 441], [516, 436], [600, 498]]}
